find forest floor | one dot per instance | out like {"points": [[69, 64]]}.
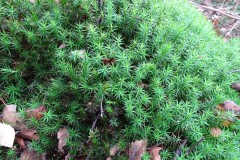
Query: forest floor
{"points": [[224, 14]]}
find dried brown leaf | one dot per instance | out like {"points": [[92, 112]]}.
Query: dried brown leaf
{"points": [[236, 86], [215, 131], [62, 136], [231, 106], [227, 123], [11, 117], [20, 142], [137, 149], [36, 113], [29, 134], [30, 154], [113, 150], [154, 152]]}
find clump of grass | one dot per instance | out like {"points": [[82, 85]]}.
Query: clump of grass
{"points": [[157, 67]]}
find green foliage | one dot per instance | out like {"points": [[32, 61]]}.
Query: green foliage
{"points": [[170, 72]]}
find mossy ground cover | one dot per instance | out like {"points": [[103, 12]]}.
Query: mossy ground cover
{"points": [[157, 67]]}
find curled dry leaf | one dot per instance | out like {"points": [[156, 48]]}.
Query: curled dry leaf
{"points": [[137, 149], [20, 142], [108, 61], [231, 106], [28, 134], [215, 131], [236, 86], [113, 150], [30, 154], [7, 135], [154, 152], [62, 136], [36, 113], [11, 117], [226, 123]]}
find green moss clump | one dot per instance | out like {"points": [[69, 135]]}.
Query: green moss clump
{"points": [[157, 66]]}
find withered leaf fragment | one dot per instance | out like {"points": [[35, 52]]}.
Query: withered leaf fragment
{"points": [[10, 116], [62, 136], [114, 149], [7, 135], [108, 61], [154, 152], [231, 106], [28, 134], [137, 149], [236, 86], [30, 154], [36, 113], [215, 131], [20, 142]]}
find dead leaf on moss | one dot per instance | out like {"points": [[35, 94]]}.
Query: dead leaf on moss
{"points": [[32, 1], [108, 61], [28, 134], [20, 142], [154, 152], [137, 149], [236, 86], [30, 154], [11, 117], [231, 106], [62, 136], [113, 150], [109, 158], [226, 123], [215, 131], [7, 135], [63, 45], [36, 113]]}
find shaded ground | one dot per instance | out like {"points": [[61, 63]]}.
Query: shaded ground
{"points": [[224, 14]]}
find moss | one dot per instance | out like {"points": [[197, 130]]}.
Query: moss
{"points": [[168, 72]]}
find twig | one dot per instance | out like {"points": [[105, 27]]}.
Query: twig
{"points": [[3, 101], [236, 5], [228, 33], [178, 151], [234, 71], [214, 9], [194, 146], [101, 107], [95, 122]]}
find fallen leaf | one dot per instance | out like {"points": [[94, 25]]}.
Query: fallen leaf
{"points": [[11, 117], [28, 134], [154, 152], [137, 149], [63, 45], [236, 86], [7, 135], [30, 154], [231, 106], [114, 149], [36, 113], [108, 61], [226, 123], [20, 142], [109, 158], [215, 131], [62, 136], [32, 1]]}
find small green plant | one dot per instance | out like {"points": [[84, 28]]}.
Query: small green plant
{"points": [[155, 67]]}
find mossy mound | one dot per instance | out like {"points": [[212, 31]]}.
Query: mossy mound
{"points": [[157, 67]]}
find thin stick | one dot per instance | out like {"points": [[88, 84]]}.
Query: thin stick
{"points": [[101, 107], [236, 5], [95, 122], [195, 145], [3, 101], [178, 151], [234, 26], [234, 71], [216, 10]]}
